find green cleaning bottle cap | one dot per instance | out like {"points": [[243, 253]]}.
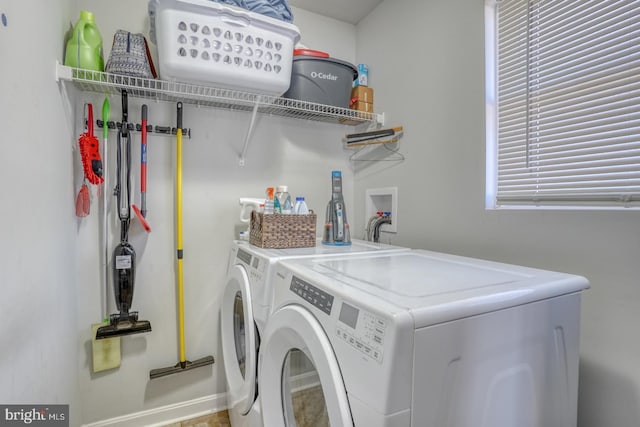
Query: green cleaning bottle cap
{"points": [[87, 16]]}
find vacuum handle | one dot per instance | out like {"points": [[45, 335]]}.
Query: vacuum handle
{"points": [[179, 107], [125, 108]]}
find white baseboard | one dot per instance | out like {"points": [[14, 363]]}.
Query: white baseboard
{"points": [[168, 414], [177, 412]]}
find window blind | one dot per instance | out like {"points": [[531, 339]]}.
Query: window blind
{"points": [[568, 102]]}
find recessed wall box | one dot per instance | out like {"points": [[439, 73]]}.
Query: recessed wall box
{"points": [[383, 200]]}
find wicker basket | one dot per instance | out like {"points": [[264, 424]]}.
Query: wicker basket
{"points": [[283, 231]]}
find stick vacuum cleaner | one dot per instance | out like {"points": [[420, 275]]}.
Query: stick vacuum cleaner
{"points": [[124, 256]]}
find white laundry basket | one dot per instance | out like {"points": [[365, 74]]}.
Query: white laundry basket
{"points": [[205, 42]]}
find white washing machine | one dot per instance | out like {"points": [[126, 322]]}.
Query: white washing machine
{"points": [[244, 310], [420, 339]]}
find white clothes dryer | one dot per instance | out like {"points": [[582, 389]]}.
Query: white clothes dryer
{"points": [[420, 339], [244, 310]]}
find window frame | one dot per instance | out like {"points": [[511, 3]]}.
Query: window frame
{"points": [[492, 144]]}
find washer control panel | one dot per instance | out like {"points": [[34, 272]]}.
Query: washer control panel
{"points": [[244, 256], [255, 264], [362, 330]]}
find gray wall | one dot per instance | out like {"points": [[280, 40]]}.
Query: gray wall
{"points": [[282, 151], [50, 260], [37, 222], [427, 68]]}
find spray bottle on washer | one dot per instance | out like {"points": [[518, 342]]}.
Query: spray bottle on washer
{"points": [[248, 204], [336, 227]]}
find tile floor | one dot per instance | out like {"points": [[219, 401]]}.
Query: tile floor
{"points": [[219, 419], [308, 406]]}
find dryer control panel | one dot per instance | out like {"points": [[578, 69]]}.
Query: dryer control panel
{"points": [[362, 330]]}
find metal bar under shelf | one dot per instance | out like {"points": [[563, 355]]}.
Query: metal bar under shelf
{"points": [[174, 91]]}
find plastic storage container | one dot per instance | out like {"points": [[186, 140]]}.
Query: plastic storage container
{"points": [[209, 43], [320, 79]]}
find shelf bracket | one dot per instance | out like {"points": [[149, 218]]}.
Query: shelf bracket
{"points": [[247, 138], [62, 72]]}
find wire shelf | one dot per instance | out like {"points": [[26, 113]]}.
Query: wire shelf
{"points": [[173, 91]]}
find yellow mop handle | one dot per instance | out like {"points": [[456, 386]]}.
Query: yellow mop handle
{"points": [[179, 253]]}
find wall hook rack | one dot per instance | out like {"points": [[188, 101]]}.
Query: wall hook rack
{"points": [[137, 127]]}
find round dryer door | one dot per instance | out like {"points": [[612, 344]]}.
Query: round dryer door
{"points": [[239, 346], [300, 379]]}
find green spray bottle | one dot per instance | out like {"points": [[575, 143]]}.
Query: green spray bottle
{"points": [[84, 48]]}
